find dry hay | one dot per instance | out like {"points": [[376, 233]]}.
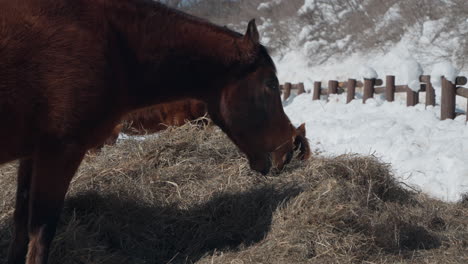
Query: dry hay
{"points": [[188, 196]]}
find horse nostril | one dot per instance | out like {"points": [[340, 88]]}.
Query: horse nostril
{"points": [[267, 168]]}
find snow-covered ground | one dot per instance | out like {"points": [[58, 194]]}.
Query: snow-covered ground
{"points": [[424, 152]]}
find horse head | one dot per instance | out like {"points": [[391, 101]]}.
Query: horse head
{"points": [[249, 108]]}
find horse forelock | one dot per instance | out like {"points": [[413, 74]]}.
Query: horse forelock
{"points": [[256, 59], [264, 55]]}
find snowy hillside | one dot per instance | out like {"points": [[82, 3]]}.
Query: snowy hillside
{"points": [[317, 53]]}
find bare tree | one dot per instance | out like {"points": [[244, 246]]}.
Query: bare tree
{"points": [[334, 26]]}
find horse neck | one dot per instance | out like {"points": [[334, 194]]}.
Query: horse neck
{"points": [[178, 55]]}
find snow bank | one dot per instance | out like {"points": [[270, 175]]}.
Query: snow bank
{"points": [[425, 152], [446, 69], [412, 70]]}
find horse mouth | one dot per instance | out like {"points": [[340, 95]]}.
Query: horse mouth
{"points": [[281, 163], [261, 164]]}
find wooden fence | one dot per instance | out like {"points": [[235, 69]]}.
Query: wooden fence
{"points": [[374, 86]]}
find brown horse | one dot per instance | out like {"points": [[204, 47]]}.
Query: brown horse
{"points": [[300, 143], [70, 70], [159, 117], [156, 118]]}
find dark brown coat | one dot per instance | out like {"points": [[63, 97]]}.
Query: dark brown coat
{"points": [[156, 118]]}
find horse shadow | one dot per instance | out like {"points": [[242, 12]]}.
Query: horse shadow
{"points": [[118, 229]]}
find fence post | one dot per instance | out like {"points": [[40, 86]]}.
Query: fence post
{"points": [[351, 90], [317, 90], [368, 89], [430, 92], [300, 88], [332, 87], [412, 97], [447, 100], [390, 88], [287, 91]]}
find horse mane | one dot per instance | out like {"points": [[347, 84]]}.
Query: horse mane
{"points": [[233, 50], [265, 55]]}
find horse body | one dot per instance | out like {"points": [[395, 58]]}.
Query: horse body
{"points": [[78, 72], [157, 118], [71, 69], [55, 80]]}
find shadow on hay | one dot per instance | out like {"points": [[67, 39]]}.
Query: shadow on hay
{"points": [[131, 231]]}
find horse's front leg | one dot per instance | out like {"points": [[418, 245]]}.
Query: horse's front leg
{"points": [[55, 164], [19, 244]]}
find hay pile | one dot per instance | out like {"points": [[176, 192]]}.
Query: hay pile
{"points": [[188, 196]]}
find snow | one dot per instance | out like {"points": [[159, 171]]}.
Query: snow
{"points": [[424, 44], [308, 5], [123, 136], [268, 5], [367, 72], [390, 17], [412, 70], [424, 152], [431, 29], [446, 69], [306, 32]]}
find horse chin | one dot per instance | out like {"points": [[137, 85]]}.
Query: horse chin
{"points": [[261, 164]]}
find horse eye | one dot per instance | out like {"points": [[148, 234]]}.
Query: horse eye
{"points": [[273, 84]]}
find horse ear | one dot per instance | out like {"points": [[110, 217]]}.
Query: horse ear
{"points": [[301, 130], [302, 144], [252, 32]]}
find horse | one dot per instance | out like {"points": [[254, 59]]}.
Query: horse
{"points": [[300, 143], [156, 118], [70, 70], [159, 117]]}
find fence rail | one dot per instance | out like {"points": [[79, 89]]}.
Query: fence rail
{"points": [[370, 87]]}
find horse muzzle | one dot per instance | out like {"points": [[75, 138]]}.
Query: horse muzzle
{"points": [[261, 164]]}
